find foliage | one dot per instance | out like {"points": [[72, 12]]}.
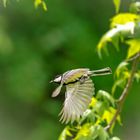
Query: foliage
{"points": [[123, 26], [117, 5], [90, 126], [4, 3], [40, 2], [100, 112], [35, 46], [37, 3], [104, 110]]}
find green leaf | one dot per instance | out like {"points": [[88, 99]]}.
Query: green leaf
{"points": [[117, 5], [123, 18], [5, 3], [91, 132], [66, 132], [121, 68], [135, 7], [93, 102], [105, 96], [84, 133], [121, 81], [88, 115], [103, 135], [137, 76], [115, 41], [134, 47], [37, 3], [115, 138], [122, 74], [122, 25], [113, 35], [99, 107], [113, 110], [118, 83], [108, 115]]}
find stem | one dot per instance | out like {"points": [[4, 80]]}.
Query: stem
{"points": [[125, 91]]}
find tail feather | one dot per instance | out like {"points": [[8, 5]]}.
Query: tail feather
{"points": [[104, 71]]}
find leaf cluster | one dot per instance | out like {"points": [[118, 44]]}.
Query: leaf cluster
{"points": [[95, 118], [37, 3], [124, 29]]}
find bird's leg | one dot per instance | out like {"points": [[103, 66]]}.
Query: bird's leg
{"points": [[83, 78]]}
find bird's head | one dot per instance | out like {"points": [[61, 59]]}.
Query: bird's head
{"points": [[57, 79]]}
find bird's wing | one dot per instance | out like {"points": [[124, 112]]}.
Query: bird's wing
{"points": [[78, 97], [57, 91]]}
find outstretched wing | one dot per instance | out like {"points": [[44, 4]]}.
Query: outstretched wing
{"points": [[78, 97]]}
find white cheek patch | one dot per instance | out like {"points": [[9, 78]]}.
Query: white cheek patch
{"points": [[57, 79]]}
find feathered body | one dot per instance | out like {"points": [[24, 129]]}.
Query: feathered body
{"points": [[79, 91]]}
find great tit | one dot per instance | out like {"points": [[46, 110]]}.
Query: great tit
{"points": [[79, 91]]}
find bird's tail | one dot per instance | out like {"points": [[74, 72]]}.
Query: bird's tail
{"points": [[104, 71]]}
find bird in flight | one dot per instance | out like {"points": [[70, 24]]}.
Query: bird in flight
{"points": [[79, 91]]}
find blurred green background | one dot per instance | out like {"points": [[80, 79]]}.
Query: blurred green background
{"points": [[35, 46]]}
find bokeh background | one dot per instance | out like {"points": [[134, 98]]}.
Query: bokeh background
{"points": [[35, 46]]}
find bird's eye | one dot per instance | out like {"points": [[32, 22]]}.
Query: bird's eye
{"points": [[57, 79], [57, 76]]}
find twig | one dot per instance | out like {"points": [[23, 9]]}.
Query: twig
{"points": [[133, 58], [125, 92]]}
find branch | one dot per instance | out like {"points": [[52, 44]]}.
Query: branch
{"points": [[125, 91]]}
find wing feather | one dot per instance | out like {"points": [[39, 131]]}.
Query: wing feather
{"points": [[77, 98]]}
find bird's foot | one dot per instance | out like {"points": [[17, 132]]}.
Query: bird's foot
{"points": [[83, 79]]}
